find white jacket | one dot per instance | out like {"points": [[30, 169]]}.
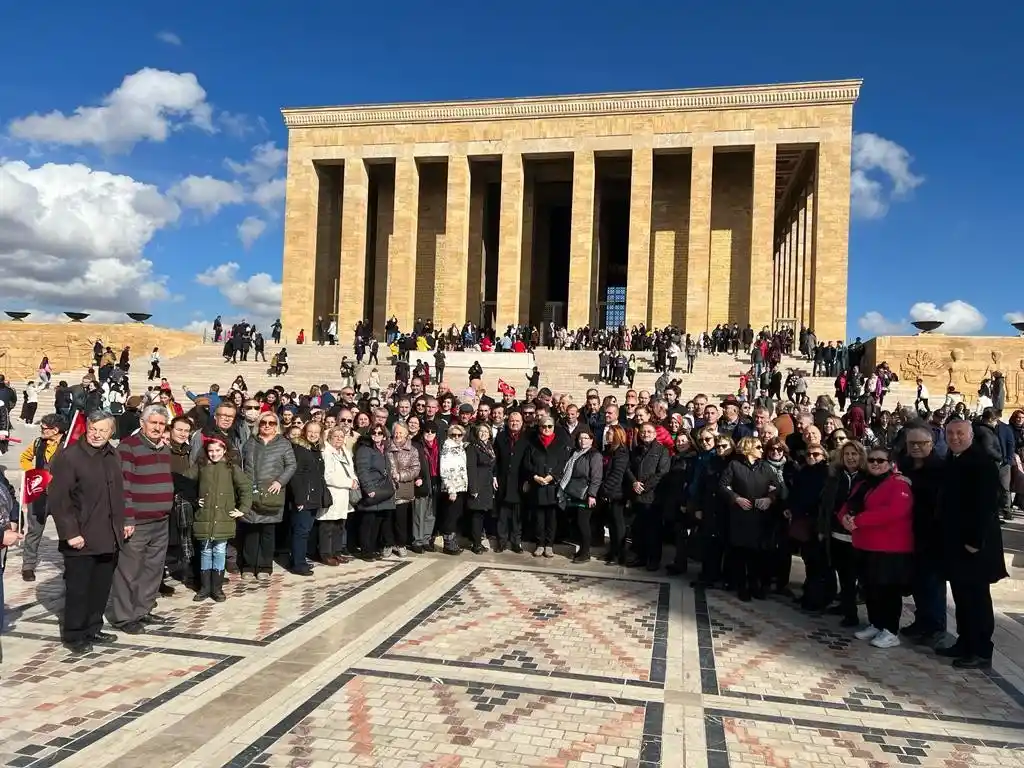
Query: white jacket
{"points": [[339, 472]]}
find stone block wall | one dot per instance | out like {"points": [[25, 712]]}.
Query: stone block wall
{"points": [[670, 240], [429, 235], [69, 346], [963, 361]]}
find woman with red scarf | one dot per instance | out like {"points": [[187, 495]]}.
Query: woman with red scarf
{"points": [[543, 466]]}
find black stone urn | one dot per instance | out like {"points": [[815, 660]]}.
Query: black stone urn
{"points": [[77, 317], [17, 317], [927, 326], [139, 317]]}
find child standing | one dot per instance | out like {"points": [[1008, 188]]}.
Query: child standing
{"points": [[225, 494]]}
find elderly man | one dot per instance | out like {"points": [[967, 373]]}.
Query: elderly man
{"points": [[148, 497], [86, 500], [971, 544]]}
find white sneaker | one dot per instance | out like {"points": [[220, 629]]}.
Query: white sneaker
{"points": [[485, 543], [885, 639], [867, 633], [400, 552]]}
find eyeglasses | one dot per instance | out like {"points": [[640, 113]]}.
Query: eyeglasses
{"points": [[345, 421], [347, 394], [815, 455], [377, 434], [722, 447], [547, 426], [776, 449], [707, 440], [252, 407], [877, 460], [456, 434], [268, 423], [919, 443]]}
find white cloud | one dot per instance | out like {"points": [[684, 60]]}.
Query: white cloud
{"points": [[257, 296], [250, 229], [206, 193], [168, 37], [1014, 317], [72, 237], [881, 173], [261, 173], [878, 324], [958, 317], [199, 327], [147, 106]]}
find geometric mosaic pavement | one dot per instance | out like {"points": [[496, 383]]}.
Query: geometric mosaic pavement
{"points": [[489, 662], [551, 624]]}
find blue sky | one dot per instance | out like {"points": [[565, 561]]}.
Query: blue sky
{"points": [[98, 210]]}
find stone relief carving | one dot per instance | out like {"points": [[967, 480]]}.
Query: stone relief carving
{"points": [[920, 364]]}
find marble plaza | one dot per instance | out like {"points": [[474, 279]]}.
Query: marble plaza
{"points": [[492, 662]]}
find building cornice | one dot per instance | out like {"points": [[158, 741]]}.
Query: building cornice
{"points": [[585, 105]]}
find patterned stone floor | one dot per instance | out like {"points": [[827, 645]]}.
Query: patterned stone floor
{"points": [[495, 661]]}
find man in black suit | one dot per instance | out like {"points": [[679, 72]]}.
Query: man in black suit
{"points": [[971, 544]]}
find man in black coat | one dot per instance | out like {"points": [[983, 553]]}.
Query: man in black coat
{"points": [[86, 501], [971, 544], [509, 447]]}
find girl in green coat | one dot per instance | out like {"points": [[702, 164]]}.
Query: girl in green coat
{"points": [[225, 494]]}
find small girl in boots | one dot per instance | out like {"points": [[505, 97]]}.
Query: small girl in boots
{"points": [[225, 494]]}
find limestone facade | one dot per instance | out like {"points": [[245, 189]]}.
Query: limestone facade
{"points": [[963, 361], [69, 345], [691, 207]]}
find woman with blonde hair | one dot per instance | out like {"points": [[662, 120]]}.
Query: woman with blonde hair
{"points": [[308, 493], [848, 464], [454, 486], [751, 488], [611, 495]]}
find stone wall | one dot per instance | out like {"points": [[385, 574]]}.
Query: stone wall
{"points": [[69, 345], [962, 361]]}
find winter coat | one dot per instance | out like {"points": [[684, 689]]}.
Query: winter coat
{"points": [[970, 498], [222, 487], [404, 464], [544, 461], [886, 523], [508, 465], [480, 478], [86, 498], [374, 477], [751, 528], [613, 477], [307, 489], [339, 472], [585, 478], [452, 467], [266, 463], [648, 464]]}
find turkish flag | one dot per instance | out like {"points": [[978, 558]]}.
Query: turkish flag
{"points": [[506, 389], [36, 482], [76, 429]]}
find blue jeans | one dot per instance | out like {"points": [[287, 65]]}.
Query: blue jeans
{"points": [[929, 600], [302, 524], [212, 555]]}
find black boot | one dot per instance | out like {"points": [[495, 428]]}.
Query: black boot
{"points": [[204, 587], [217, 586]]}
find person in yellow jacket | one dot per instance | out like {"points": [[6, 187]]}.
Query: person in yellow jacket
{"points": [[38, 455]]}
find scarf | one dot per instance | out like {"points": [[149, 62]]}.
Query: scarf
{"points": [[563, 497], [855, 504], [433, 453], [546, 440]]}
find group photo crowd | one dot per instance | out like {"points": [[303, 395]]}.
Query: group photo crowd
{"points": [[729, 490]]}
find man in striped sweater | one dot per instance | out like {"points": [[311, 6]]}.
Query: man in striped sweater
{"points": [[148, 498]]}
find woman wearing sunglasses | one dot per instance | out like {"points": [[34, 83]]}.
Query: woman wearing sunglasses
{"points": [[879, 517], [269, 460]]}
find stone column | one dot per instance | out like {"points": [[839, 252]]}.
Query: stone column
{"points": [[581, 307], [299, 267], [477, 259], [800, 226], [385, 188], [699, 254], [452, 265], [510, 241], [832, 240], [639, 256], [791, 272], [352, 285], [762, 241], [402, 251], [808, 230]]}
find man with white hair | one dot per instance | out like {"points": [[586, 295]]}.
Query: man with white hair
{"points": [[148, 498], [86, 501]]}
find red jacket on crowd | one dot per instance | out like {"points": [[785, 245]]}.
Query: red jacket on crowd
{"points": [[886, 524]]}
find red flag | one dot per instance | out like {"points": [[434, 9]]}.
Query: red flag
{"points": [[76, 429], [506, 389], [36, 482]]}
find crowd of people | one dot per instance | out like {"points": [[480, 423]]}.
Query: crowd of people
{"points": [[876, 504]]}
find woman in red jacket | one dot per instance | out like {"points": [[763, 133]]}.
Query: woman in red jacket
{"points": [[879, 516]]}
